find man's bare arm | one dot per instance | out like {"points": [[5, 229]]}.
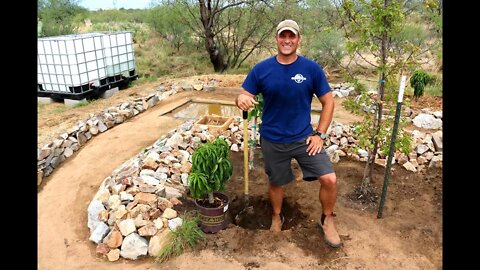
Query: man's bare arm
{"points": [[326, 115]]}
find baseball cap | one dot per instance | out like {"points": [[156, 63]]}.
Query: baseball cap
{"points": [[288, 25]]}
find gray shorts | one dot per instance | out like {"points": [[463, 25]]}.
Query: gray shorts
{"points": [[278, 158]]}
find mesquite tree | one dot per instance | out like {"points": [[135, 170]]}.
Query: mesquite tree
{"points": [[231, 29]]}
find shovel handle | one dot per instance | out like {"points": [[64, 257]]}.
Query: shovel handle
{"points": [[245, 152]]}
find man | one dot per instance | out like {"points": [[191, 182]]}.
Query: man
{"points": [[288, 82]]}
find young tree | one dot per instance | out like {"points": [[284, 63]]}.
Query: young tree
{"points": [[376, 27]]}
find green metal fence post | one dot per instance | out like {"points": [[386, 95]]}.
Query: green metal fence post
{"points": [[392, 146]]}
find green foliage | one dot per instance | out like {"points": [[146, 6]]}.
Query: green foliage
{"points": [[369, 22], [359, 87], [402, 140], [58, 16], [231, 31], [242, 30], [144, 79], [359, 104], [168, 22], [351, 105], [364, 132], [433, 16], [413, 34], [59, 110], [157, 59], [211, 168], [82, 103], [118, 15], [140, 31], [39, 28], [435, 87], [418, 81], [257, 108], [188, 235], [328, 48], [381, 28]]}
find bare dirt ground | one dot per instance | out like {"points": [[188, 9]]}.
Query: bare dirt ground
{"points": [[409, 236]]}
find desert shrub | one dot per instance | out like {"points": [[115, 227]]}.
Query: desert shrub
{"points": [[327, 48]]}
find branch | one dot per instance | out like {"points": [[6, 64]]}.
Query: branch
{"points": [[255, 46], [366, 59], [227, 6]]}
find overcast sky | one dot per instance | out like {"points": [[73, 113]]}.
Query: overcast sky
{"points": [[109, 4]]}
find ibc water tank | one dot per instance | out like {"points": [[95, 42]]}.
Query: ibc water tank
{"points": [[75, 66]]}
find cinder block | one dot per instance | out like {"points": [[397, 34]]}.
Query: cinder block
{"points": [[45, 100], [108, 93]]}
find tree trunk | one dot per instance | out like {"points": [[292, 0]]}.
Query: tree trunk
{"points": [[207, 14], [368, 172], [216, 55], [211, 199]]}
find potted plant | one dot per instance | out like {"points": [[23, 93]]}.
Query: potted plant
{"points": [[211, 169]]}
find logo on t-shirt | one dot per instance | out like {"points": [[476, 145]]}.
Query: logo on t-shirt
{"points": [[298, 78]]}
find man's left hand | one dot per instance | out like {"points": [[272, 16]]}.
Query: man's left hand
{"points": [[315, 144]]}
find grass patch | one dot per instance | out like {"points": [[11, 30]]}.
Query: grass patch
{"points": [[188, 235], [435, 88], [82, 103], [59, 110]]}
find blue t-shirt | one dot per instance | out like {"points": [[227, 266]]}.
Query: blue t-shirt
{"points": [[287, 94]]}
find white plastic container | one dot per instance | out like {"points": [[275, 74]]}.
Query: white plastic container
{"points": [[76, 64], [119, 56]]}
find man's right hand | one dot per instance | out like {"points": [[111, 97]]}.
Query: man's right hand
{"points": [[245, 101]]}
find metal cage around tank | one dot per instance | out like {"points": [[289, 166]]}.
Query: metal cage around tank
{"points": [[84, 65]]}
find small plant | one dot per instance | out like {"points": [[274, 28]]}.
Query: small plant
{"points": [[256, 114], [418, 81], [188, 235], [211, 169], [257, 109]]}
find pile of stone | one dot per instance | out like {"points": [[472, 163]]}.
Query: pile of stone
{"points": [[52, 154], [342, 89], [426, 151]]}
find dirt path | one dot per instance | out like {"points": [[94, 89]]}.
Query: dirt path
{"points": [[63, 199], [410, 238]]}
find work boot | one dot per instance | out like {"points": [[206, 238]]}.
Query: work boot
{"points": [[330, 233], [277, 222]]}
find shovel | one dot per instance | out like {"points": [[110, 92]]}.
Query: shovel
{"points": [[246, 209]]}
